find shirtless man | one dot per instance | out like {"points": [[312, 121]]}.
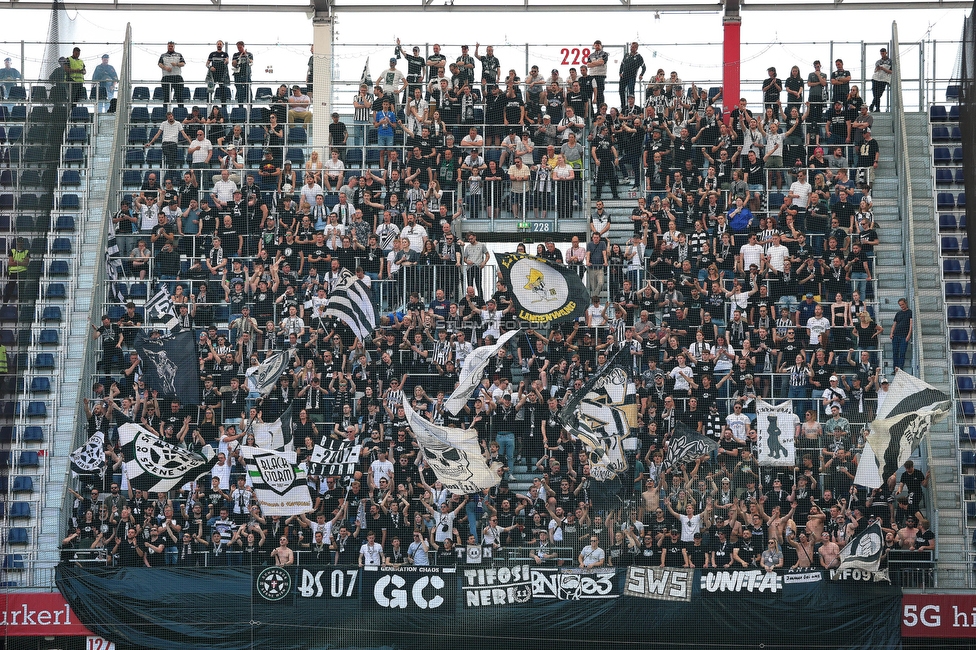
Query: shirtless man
{"points": [[650, 499], [782, 527], [829, 552], [906, 536], [804, 551], [815, 522], [283, 556]]}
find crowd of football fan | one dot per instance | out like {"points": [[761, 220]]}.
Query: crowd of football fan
{"points": [[720, 298]]}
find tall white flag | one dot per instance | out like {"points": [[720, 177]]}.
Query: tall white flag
{"points": [[472, 372], [776, 425]]}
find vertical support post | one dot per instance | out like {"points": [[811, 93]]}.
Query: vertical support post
{"points": [[731, 57], [322, 71]]}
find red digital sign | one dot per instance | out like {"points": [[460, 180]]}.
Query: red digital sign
{"points": [[38, 614], [944, 615]]}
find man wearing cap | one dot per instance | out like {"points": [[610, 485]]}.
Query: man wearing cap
{"points": [[8, 75], [108, 80], [392, 81], [171, 63], [201, 153], [415, 69], [833, 396], [880, 79], [465, 64], [298, 107]]}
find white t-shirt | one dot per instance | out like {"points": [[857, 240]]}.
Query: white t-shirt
{"points": [[817, 326], [777, 254], [204, 148], [592, 555], [690, 526], [309, 193], [372, 554], [381, 469], [751, 254], [596, 315], [801, 193], [416, 235], [738, 425], [681, 377]]}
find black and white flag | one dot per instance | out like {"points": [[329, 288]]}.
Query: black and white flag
{"points": [[160, 308], [350, 301], [113, 264], [88, 460], [275, 435], [686, 445], [170, 365], [903, 420], [266, 373], [473, 370], [776, 425], [280, 485], [453, 454], [155, 465], [863, 551], [331, 457]]}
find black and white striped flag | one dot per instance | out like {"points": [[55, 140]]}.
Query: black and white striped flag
{"points": [[160, 308], [113, 264], [266, 374], [332, 457], [350, 302]]}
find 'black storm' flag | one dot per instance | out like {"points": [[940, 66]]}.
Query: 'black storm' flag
{"points": [[170, 365], [543, 291]]}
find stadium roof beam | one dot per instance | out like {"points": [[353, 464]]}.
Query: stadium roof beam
{"points": [[328, 7]]}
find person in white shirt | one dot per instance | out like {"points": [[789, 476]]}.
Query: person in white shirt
{"points": [[334, 171], [738, 423], [592, 556], [223, 190], [298, 107], [596, 314], [310, 190], [148, 210], [777, 254], [222, 471], [387, 233], [381, 468], [800, 190], [833, 396], [201, 151], [416, 234], [370, 553], [817, 325], [750, 253]]}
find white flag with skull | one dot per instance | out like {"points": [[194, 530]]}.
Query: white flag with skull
{"points": [[453, 454]]}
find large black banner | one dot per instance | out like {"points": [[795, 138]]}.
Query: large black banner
{"points": [[170, 365], [477, 607]]}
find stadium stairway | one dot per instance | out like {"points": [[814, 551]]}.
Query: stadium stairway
{"points": [[929, 363], [91, 259]]}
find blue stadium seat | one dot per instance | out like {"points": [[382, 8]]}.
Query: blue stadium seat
{"points": [[56, 291], [967, 409], [964, 384], [238, 115], [19, 510], [59, 268], [33, 434], [253, 156], [61, 245], [945, 201], [65, 223], [260, 115], [937, 113], [222, 95], [960, 176], [8, 313], [297, 135], [961, 200], [8, 177], [180, 113], [140, 94], [51, 313], [154, 157], [77, 134], [139, 115], [71, 178], [7, 436], [957, 155], [960, 361], [6, 201], [947, 222], [29, 459], [36, 409], [23, 484], [40, 385], [80, 114], [954, 115], [18, 535], [18, 113], [950, 246], [942, 156], [255, 134], [952, 93], [70, 202], [138, 290], [958, 336], [7, 338], [74, 156], [967, 434], [44, 361], [13, 562], [951, 267], [262, 92], [158, 115], [137, 135], [200, 94], [48, 336], [956, 313], [943, 176]]}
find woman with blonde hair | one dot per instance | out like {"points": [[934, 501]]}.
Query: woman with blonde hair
{"points": [[314, 166]]}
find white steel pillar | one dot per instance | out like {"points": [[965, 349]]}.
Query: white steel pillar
{"points": [[322, 35]]}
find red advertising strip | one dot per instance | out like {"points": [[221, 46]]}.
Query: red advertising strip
{"points": [[38, 614], [943, 616]]}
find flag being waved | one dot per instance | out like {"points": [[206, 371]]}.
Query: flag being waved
{"points": [[88, 460], [350, 301], [863, 552], [331, 457], [543, 291], [686, 445], [170, 365], [453, 454], [155, 465], [903, 420], [266, 373], [281, 486], [601, 414], [472, 372], [160, 308], [275, 435]]}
